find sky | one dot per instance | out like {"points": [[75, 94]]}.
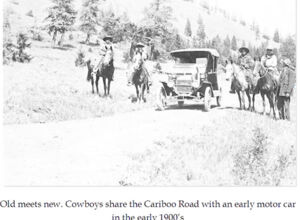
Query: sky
{"points": [[269, 14]]}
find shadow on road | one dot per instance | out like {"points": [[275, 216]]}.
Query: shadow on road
{"points": [[188, 107]]}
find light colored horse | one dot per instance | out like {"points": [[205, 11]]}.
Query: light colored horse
{"points": [[241, 86]]}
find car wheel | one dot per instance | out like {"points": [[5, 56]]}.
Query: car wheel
{"points": [[219, 99], [161, 99], [207, 99]]}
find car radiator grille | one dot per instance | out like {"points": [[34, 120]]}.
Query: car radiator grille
{"points": [[184, 86]]}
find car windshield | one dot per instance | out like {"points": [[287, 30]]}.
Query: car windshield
{"points": [[190, 57]]}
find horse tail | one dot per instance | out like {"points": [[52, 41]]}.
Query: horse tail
{"points": [[89, 74]]}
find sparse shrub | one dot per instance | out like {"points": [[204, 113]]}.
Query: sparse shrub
{"points": [[253, 166], [36, 34], [242, 22], [80, 58], [22, 44], [16, 52], [71, 37], [157, 67], [8, 51]]}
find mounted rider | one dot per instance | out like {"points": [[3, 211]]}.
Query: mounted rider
{"points": [[269, 62], [246, 64], [138, 61], [108, 45]]}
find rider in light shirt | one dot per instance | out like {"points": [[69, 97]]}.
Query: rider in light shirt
{"points": [[138, 62], [269, 62]]}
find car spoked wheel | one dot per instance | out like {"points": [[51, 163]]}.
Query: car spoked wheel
{"points": [[161, 100], [207, 99], [219, 99]]}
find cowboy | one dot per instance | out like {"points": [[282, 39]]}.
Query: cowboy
{"points": [[286, 84], [106, 46], [246, 63], [269, 62], [138, 62]]}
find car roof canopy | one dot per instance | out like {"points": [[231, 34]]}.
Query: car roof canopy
{"points": [[199, 52]]}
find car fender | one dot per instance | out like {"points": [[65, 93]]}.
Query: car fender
{"points": [[203, 87]]}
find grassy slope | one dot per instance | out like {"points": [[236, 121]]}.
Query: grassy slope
{"points": [[51, 88]]}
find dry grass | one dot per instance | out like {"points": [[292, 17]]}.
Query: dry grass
{"points": [[51, 88], [241, 149]]}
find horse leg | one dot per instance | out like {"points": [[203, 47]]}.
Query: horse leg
{"points": [[137, 92], [92, 82], [249, 99], [108, 86], [104, 85], [264, 102], [253, 101], [272, 104], [240, 100], [144, 86], [97, 84], [243, 100]]}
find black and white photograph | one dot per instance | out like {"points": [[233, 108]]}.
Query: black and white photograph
{"points": [[126, 93]]}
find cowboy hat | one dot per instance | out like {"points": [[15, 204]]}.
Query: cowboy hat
{"points": [[244, 48], [140, 45], [287, 61], [108, 38]]}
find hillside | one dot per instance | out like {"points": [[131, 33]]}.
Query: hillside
{"points": [[216, 20]]}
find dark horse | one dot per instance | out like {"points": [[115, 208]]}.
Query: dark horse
{"points": [[106, 72], [140, 80], [241, 86], [266, 86], [92, 76]]}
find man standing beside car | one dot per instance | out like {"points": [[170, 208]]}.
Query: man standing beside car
{"points": [[287, 81]]}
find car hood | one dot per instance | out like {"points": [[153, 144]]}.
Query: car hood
{"points": [[183, 68]]}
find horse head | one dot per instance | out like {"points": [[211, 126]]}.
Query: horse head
{"points": [[108, 58], [258, 69]]}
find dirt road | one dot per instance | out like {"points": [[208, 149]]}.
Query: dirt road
{"points": [[98, 151]]}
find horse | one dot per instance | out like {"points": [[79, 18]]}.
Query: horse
{"points": [[266, 86], [241, 86], [107, 70], [93, 76], [140, 80]]}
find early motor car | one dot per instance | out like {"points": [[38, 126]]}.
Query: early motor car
{"points": [[192, 76]]}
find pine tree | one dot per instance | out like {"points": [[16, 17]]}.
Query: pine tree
{"points": [[226, 49], [288, 49], [188, 29], [276, 37], [89, 18], [157, 25], [61, 17], [233, 43], [201, 31]]}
